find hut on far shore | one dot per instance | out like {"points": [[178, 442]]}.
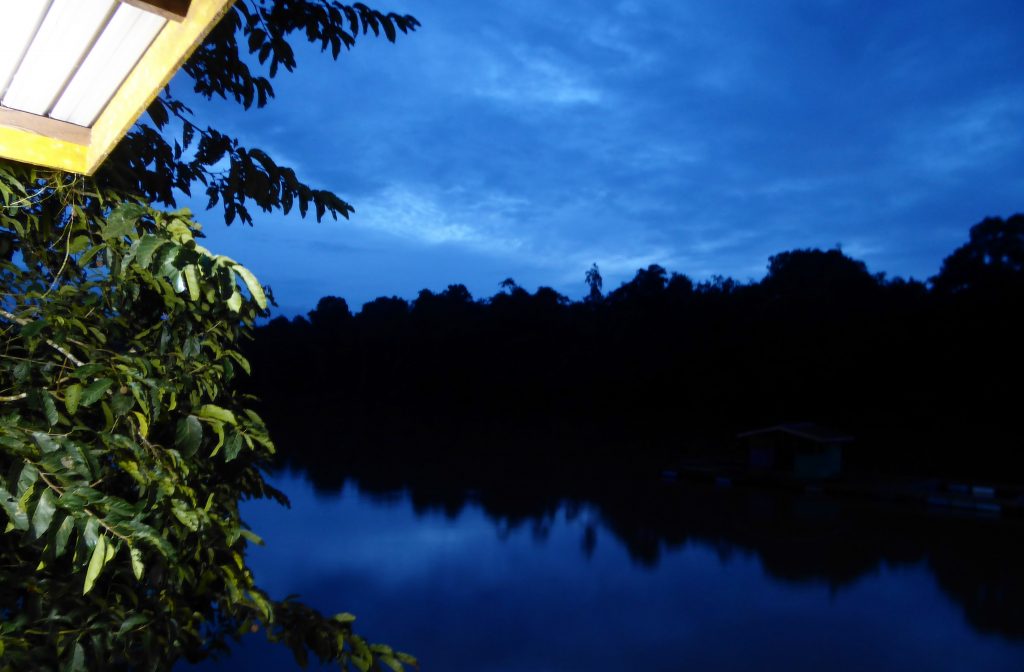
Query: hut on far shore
{"points": [[802, 450]]}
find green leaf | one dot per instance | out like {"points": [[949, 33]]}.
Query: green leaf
{"points": [[43, 515], [215, 412], [121, 404], [78, 243], [72, 396], [27, 478], [143, 424], [361, 655], [49, 409], [253, 285], [11, 442], [17, 515], [193, 281], [22, 371], [108, 415], [77, 662], [232, 446], [33, 328], [96, 562], [188, 517], [147, 247], [45, 442], [137, 567], [391, 662], [188, 435], [177, 280], [89, 254], [95, 390], [251, 536], [121, 220], [218, 428], [91, 533], [60, 539], [149, 535], [131, 622], [87, 371], [235, 301], [242, 361]]}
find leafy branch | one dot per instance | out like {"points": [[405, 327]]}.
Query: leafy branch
{"points": [[232, 175]]}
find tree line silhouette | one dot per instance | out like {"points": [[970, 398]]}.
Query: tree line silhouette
{"points": [[926, 375]]}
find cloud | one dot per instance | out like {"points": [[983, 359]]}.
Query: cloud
{"points": [[965, 135], [479, 221], [524, 75]]}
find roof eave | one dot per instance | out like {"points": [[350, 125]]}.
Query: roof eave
{"points": [[50, 143]]}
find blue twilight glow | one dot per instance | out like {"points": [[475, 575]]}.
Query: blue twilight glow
{"points": [[530, 139]]}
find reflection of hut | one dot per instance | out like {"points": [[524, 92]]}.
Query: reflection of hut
{"points": [[802, 450]]}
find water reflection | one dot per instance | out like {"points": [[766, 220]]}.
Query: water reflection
{"points": [[652, 577], [796, 537]]}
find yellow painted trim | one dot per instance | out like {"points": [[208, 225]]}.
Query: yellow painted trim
{"points": [[165, 56], [40, 150], [50, 128]]}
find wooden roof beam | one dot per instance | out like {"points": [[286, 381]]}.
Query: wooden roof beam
{"points": [[172, 10]]}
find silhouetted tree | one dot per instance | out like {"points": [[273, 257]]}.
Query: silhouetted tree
{"points": [[991, 261], [594, 282], [648, 283], [331, 314], [660, 362], [817, 273], [384, 309]]}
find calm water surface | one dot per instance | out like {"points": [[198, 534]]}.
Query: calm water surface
{"points": [[468, 589]]}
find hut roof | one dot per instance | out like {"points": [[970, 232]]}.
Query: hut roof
{"points": [[805, 430], [75, 75]]}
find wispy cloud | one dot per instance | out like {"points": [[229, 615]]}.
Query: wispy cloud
{"points": [[523, 75], [481, 222], [964, 136]]}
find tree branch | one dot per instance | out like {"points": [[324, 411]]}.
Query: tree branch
{"points": [[22, 321]]}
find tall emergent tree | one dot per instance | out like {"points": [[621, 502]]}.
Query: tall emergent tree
{"points": [[124, 449]]}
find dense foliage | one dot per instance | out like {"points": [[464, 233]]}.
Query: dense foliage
{"points": [[124, 447], [236, 62]]}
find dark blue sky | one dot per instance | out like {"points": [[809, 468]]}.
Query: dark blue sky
{"points": [[529, 139]]}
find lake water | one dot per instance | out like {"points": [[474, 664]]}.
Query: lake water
{"points": [[666, 578]]}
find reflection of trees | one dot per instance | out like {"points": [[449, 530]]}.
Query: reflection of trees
{"points": [[797, 537], [981, 569]]}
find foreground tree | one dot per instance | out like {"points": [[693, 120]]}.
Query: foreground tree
{"points": [[124, 449]]}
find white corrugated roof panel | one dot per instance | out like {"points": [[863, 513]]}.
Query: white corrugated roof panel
{"points": [[59, 46], [21, 19], [123, 41], [65, 59]]}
